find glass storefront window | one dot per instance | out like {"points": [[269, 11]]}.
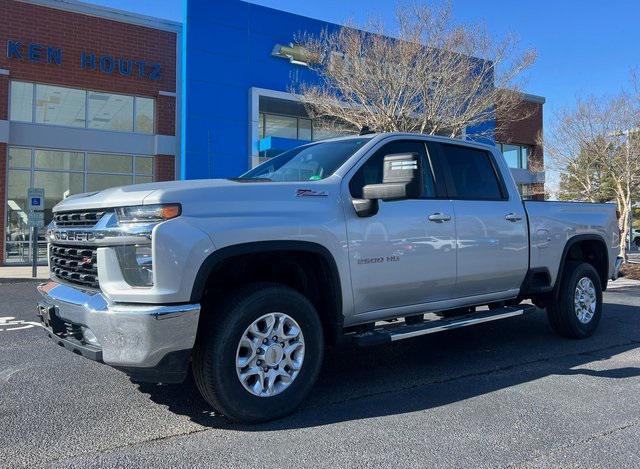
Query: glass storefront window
{"points": [[304, 129], [98, 182], [143, 179], [281, 126], [261, 126], [107, 163], [110, 112], [19, 157], [57, 185], [60, 174], [144, 165], [58, 105], [71, 107], [517, 156], [21, 105], [17, 231], [60, 160], [145, 115]]}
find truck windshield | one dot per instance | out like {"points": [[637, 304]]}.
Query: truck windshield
{"points": [[311, 162]]}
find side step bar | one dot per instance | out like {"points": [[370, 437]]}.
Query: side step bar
{"points": [[391, 333]]}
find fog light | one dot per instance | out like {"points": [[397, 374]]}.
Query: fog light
{"points": [[136, 264], [89, 337]]}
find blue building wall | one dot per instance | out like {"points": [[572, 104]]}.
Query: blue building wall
{"points": [[226, 51]]}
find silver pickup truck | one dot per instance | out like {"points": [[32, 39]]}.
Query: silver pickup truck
{"points": [[368, 239]]}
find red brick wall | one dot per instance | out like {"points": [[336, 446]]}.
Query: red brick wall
{"points": [[76, 32], [4, 97], [524, 132], [164, 169], [166, 112]]}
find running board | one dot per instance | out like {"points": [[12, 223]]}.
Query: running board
{"points": [[391, 333]]}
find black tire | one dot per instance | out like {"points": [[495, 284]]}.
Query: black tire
{"points": [[214, 359], [562, 312]]}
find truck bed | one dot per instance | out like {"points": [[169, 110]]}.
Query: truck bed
{"points": [[552, 224]]}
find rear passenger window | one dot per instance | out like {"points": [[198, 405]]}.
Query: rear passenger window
{"points": [[472, 173]]}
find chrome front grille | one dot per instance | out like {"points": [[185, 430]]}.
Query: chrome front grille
{"points": [[74, 264], [85, 218]]}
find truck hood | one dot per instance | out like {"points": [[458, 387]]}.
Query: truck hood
{"points": [[198, 193], [133, 195]]}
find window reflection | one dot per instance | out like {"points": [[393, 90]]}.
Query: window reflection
{"points": [[71, 107], [145, 115], [110, 112], [60, 106], [21, 105]]}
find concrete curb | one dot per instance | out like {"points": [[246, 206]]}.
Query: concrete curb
{"points": [[623, 283]]}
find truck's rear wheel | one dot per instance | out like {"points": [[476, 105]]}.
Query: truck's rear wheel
{"points": [[578, 308], [259, 353]]}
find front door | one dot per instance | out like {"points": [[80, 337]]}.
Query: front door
{"points": [[405, 254]]}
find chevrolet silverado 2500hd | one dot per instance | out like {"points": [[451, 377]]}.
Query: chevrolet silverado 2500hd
{"points": [[371, 239]]}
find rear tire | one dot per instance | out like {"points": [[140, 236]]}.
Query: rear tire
{"points": [[236, 345], [578, 307]]}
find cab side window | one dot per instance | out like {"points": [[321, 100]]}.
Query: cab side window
{"points": [[371, 171], [472, 173]]}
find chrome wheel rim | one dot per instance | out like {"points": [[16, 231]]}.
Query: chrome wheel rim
{"points": [[270, 354], [585, 300]]}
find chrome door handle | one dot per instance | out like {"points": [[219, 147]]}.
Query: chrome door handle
{"points": [[513, 217], [439, 217]]}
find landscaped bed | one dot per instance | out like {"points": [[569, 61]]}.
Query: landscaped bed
{"points": [[631, 271]]}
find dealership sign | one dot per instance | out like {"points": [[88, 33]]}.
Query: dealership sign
{"points": [[108, 64]]}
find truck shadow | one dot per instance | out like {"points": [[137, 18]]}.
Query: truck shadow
{"points": [[433, 371]]}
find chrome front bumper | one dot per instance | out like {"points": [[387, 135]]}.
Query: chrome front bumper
{"points": [[150, 342]]}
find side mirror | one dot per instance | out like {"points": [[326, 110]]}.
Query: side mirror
{"points": [[365, 207], [400, 180]]}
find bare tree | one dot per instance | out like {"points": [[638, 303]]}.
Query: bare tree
{"points": [[595, 146], [432, 77]]}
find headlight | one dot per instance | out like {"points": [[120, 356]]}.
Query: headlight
{"points": [[136, 264], [147, 213], [136, 260]]}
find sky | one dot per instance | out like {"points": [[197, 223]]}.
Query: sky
{"points": [[584, 46]]}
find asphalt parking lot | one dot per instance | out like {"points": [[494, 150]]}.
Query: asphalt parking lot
{"points": [[507, 394]]}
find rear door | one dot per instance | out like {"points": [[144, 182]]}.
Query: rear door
{"points": [[405, 254], [491, 227]]}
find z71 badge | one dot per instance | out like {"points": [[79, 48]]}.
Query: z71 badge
{"points": [[311, 193]]}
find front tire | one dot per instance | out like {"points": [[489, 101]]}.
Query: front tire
{"points": [[578, 307], [259, 354]]}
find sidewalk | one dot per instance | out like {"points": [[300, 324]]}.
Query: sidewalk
{"points": [[22, 272]]}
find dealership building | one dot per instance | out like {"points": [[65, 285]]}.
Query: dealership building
{"points": [[238, 107], [88, 100], [92, 97]]}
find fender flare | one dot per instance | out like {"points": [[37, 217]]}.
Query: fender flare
{"points": [[220, 255], [567, 247]]}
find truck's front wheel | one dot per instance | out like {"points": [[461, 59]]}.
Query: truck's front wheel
{"points": [[259, 353], [577, 310]]}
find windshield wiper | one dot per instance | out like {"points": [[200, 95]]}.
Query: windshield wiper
{"points": [[250, 179]]}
